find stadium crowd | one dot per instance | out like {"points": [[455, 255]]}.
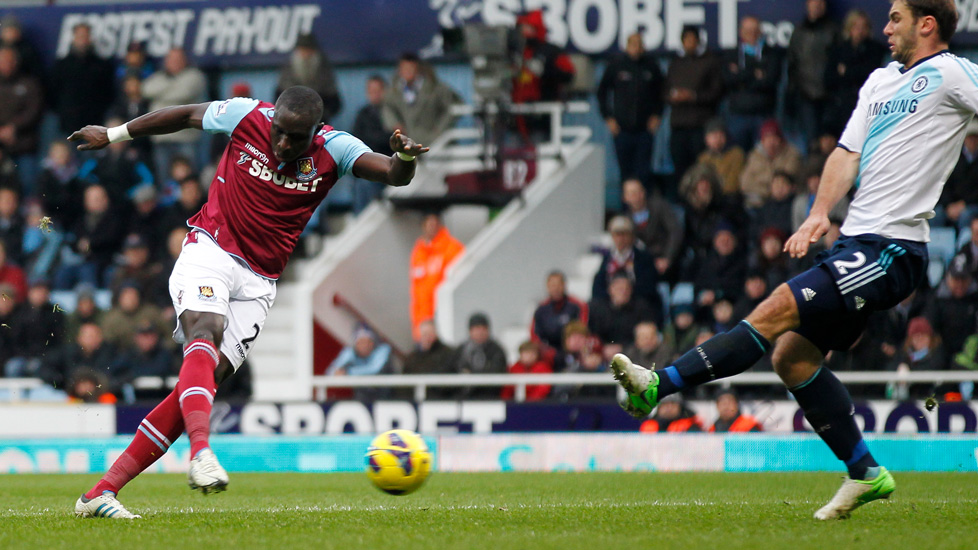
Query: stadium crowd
{"points": [[692, 249]]}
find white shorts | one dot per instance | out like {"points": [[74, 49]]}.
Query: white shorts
{"points": [[207, 279]]}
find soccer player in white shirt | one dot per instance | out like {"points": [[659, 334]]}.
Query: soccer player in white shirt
{"points": [[898, 149]]}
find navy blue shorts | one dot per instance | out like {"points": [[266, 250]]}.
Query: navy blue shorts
{"points": [[857, 276]]}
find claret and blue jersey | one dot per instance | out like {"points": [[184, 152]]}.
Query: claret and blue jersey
{"points": [[258, 207]]}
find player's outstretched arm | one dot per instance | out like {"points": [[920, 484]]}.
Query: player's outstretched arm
{"points": [[162, 121], [396, 170], [839, 173]]}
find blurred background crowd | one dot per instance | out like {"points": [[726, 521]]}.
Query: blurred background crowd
{"points": [[87, 241]]}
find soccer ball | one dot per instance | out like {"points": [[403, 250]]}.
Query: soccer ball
{"points": [[398, 462]]}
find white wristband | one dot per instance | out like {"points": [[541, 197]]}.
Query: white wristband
{"points": [[405, 157], [118, 133]]}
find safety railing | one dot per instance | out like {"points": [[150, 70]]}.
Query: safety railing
{"points": [[17, 389]]}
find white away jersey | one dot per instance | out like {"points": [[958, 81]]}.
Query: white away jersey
{"points": [[908, 127]]}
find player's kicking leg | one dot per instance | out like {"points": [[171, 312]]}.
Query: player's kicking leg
{"points": [[819, 393], [197, 386]]}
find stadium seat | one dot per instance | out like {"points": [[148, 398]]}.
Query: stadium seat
{"points": [[935, 271], [683, 293], [964, 237]]}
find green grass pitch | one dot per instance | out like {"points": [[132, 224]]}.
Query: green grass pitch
{"points": [[565, 511]]}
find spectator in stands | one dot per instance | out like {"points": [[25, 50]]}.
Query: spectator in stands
{"points": [[369, 127], [849, 64], [722, 311], [20, 111], [952, 310], [431, 256], [613, 320], [530, 362], [87, 351], [81, 83], [190, 197], [581, 354], [543, 69], [812, 176], [309, 66], [8, 319], [135, 63], [706, 206], [808, 55], [554, 313], [720, 273], [11, 224], [174, 244], [751, 73], [97, 237], [625, 257], [8, 171], [969, 250], [480, 354], [58, 186], [656, 226], [681, 332], [117, 168], [177, 83], [922, 351], [11, 274], [959, 200], [673, 416], [39, 330], [12, 36], [430, 355], [726, 158], [89, 386], [630, 100], [776, 210], [650, 346], [131, 104], [147, 357], [41, 242], [693, 92], [773, 153], [365, 357], [147, 218], [769, 260], [417, 103], [755, 290], [137, 266], [129, 312], [86, 311], [730, 418]]}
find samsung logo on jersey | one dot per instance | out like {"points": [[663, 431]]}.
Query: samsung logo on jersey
{"points": [[893, 106]]}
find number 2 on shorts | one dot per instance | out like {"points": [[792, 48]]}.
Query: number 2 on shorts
{"points": [[843, 266]]}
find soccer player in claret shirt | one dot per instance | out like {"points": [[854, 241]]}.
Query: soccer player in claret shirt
{"points": [[898, 148], [279, 165]]}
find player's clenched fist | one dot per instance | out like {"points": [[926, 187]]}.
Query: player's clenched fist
{"points": [[94, 137]]}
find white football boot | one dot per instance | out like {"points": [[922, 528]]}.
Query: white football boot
{"points": [[854, 493], [206, 473], [102, 506]]}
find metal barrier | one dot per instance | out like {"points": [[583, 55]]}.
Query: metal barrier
{"points": [[18, 388], [420, 383]]}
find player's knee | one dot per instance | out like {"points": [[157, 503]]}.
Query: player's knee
{"points": [[205, 326], [777, 314]]}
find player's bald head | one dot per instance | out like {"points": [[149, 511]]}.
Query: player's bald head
{"points": [[303, 102]]}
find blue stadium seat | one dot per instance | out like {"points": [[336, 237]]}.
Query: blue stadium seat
{"points": [[942, 243]]}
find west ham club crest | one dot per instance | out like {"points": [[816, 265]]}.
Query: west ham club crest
{"points": [[305, 170]]}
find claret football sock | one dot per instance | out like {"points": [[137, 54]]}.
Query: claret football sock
{"points": [[724, 355], [829, 409], [196, 388], [161, 427]]}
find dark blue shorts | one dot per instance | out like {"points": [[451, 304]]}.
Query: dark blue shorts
{"points": [[857, 276]]}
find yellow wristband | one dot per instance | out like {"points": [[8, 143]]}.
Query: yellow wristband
{"points": [[405, 157]]}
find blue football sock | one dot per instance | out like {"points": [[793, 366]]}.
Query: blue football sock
{"points": [[724, 355], [829, 410]]}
